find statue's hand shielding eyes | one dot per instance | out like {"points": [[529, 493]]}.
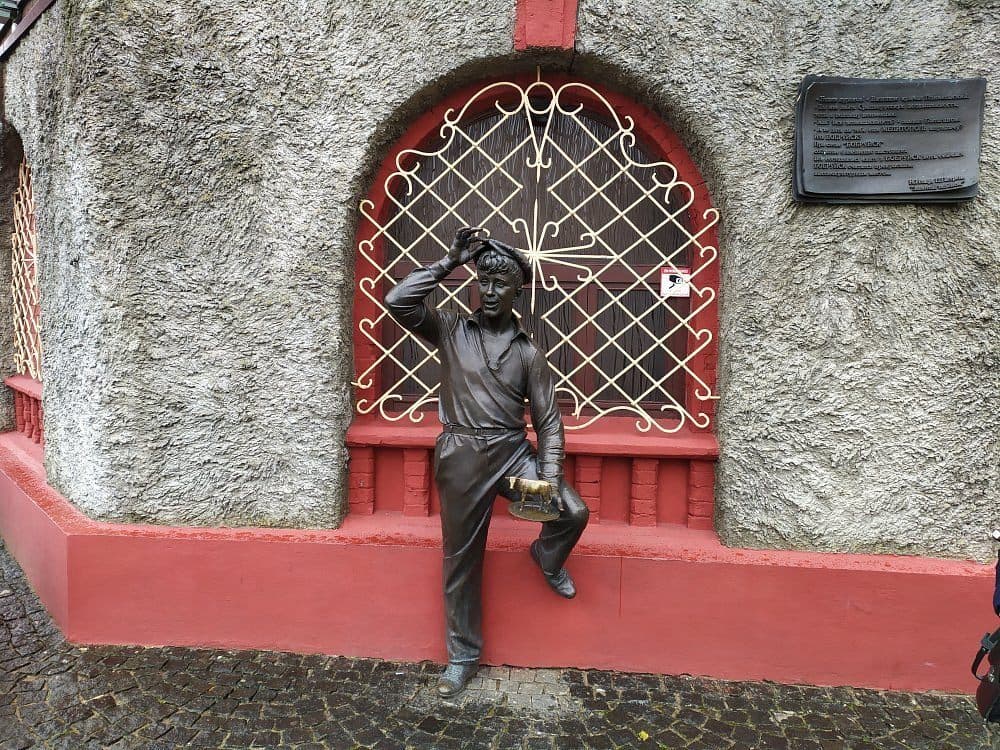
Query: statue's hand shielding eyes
{"points": [[461, 249]]}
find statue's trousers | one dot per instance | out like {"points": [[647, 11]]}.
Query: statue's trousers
{"points": [[470, 467]]}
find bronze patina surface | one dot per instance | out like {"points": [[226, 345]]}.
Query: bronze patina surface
{"points": [[490, 368]]}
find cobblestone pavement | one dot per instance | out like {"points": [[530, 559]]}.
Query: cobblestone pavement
{"points": [[55, 695]]}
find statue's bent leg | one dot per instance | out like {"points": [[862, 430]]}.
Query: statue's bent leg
{"points": [[557, 537], [466, 490]]}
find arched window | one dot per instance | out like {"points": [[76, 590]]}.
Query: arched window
{"points": [[24, 279], [26, 302], [603, 200]]}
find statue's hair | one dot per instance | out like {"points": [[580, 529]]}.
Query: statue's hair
{"points": [[492, 260]]}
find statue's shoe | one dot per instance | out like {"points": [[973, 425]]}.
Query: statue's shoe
{"points": [[559, 582], [455, 677]]}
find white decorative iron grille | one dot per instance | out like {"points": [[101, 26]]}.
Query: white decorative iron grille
{"points": [[24, 280], [557, 173]]}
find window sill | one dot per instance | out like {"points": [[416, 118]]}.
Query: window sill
{"points": [[26, 385], [614, 437]]}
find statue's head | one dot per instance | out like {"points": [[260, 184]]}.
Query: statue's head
{"points": [[501, 271]]}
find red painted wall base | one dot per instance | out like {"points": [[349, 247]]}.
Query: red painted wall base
{"points": [[660, 599]]}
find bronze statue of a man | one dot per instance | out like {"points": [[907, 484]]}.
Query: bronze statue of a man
{"points": [[489, 368]]}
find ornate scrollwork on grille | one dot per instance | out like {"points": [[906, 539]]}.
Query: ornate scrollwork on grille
{"points": [[559, 174], [24, 280]]}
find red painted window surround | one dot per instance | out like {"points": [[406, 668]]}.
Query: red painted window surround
{"points": [[28, 415], [545, 24], [390, 461]]}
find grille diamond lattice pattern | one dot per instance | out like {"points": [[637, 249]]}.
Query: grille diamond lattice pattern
{"points": [[24, 280], [557, 173]]}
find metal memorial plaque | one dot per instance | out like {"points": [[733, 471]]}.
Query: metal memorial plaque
{"points": [[861, 140]]}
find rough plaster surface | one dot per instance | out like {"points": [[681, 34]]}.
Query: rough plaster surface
{"points": [[860, 345], [199, 169]]}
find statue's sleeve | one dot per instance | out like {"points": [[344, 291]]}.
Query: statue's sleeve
{"points": [[546, 419], [406, 302]]}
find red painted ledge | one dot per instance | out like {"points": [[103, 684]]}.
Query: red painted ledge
{"points": [[25, 384], [660, 599], [617, 438]]}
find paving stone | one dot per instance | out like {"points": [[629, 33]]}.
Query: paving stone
{"points": [[56, 695]]}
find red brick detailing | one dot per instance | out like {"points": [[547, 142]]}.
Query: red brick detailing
{"points": [[416, 481], [28, 414], [701, 495], [19, 400], [398, 463], [701, 510], [545, 24], [672, 492], [642, 502], [36, 421], [588, 484], [25, 425], [361, 481]]}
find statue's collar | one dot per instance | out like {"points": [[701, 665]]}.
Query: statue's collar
{"points": [[477, 318]]}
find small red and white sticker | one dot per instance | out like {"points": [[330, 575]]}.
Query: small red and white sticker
{"points": [[675, 282]]}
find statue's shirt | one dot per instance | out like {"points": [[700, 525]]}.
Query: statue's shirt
{"points": [[475, 392]]}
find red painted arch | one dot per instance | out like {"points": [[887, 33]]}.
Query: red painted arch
{"points": [[643, 479], [660, 141]]}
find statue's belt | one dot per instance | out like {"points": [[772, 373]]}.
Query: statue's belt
{"points": [[457, 429]]}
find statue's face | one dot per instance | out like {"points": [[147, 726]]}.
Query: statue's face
{"points": [[497, 292]]}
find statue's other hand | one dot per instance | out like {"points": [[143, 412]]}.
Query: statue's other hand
{"points": [[461, 249], [557, 496], [549, 489]]}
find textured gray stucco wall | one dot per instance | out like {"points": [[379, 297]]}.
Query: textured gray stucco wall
{"points": [[199, 169], [860, 407]]}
